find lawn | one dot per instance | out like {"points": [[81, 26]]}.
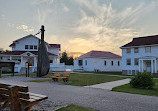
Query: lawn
{"points": [[78, 79], [111, 73], [73, 107], [128, 89]]}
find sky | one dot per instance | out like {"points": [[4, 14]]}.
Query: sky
{"points": [[79, 25]]}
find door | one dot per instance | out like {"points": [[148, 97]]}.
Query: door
{"points": [[148, 66]]}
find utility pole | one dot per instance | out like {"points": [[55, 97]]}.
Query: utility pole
{"points": [[42, 33], [43, 59]]}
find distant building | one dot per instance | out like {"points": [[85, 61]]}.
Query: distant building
{"points": [[26, 49], [98, 61], [140, 55]]}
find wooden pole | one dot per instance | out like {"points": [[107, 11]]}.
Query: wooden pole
{"points": [[43, 59], [42, 33], [28, 70], [0, 72], [14, 98]]}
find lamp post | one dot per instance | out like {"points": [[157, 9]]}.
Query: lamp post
{"points": [[27, 66]]}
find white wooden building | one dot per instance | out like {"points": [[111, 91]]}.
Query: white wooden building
{"points": [[26, 49], [98, 61], [140, 55]]}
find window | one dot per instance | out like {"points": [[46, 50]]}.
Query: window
{"points": [[85, 62], [35, 46], [51, 61], [136, 50], [26, 47], [1, 58], [128, 61], [19, 60], [128, 50], [136, 61], [80, 62], [118, 63], [112, 63], [148, 49], [31, 46], [105, 63], [129, 72]]}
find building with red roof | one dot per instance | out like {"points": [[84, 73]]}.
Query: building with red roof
{"points": [[25, 50], [98, 61], [140, 55]]}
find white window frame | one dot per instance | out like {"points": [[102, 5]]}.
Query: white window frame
{"points": [[136, 50], [127, 62], [128, 50], [147, 50], [135, 61], [105, 63], [85, 62], [27, 46], [129, 72]]}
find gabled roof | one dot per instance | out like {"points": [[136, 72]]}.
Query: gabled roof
{"points": [[22, 52], [25, 37], [55, 45], [14, 42], [51, 45], [148, 40], [99, 54]]}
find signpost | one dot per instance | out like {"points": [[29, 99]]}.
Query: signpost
{"points": [[27, 69]]}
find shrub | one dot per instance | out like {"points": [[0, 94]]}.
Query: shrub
{"points": [[142, 80]]}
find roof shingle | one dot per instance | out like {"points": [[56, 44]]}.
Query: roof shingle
{"points": [[148, 40], [99, 54], [21, 52]]}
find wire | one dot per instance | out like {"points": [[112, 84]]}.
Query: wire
{"points": [[38, 32]]}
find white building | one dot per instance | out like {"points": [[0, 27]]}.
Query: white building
{"points": [[26, 49], [140, 55], [98, 61]]}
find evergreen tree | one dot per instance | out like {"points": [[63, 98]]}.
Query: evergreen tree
{"points": [[65, 59], [71, 61]]}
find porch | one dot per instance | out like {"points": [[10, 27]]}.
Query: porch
{"points": [[148, 64]]}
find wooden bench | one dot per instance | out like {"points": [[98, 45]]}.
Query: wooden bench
{"points": [[18, 97], [63, 75]]}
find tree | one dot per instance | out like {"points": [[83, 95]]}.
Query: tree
{"points": [[65, 59], [71, 61]]}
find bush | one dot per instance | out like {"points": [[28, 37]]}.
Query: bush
{"points": [[142, 80]]}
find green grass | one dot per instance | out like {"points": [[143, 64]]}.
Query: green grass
{"points": [[87, 79], [112, 73], [77, 79], [128, 89], [41, 80], [73, 107]]}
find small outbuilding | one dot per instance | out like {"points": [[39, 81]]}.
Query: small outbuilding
{"points": [[98, 61]]}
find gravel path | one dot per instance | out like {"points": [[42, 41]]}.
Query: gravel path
{"points": [[110, 85], [98, 99]]}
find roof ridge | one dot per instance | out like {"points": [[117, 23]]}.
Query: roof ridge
{"points": [[140, 41]]}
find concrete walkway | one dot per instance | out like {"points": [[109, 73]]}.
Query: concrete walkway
{"points": [[110, 85]]}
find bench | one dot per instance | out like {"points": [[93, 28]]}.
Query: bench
{"points": [[63, 75], [18, 97]]}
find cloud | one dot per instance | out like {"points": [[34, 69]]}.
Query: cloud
{"points": [[22, 27], [44, 8], [25, 28], [66, 9], [38, 2], [107, 29]]}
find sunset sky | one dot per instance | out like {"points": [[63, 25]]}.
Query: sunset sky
{"points": [[79, 25]]}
